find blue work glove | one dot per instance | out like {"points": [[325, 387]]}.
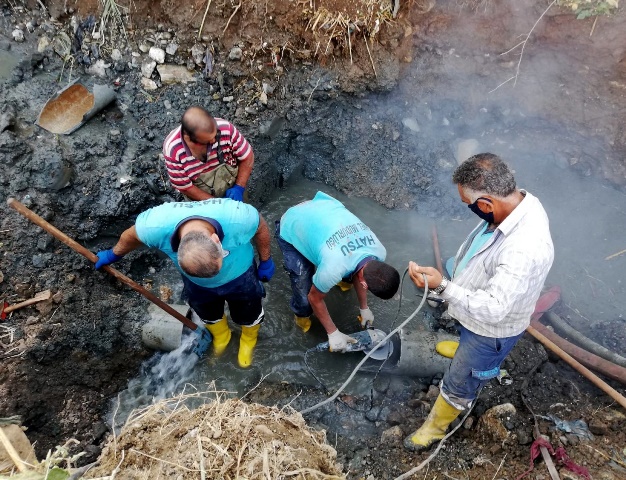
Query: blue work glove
{"points": [[235, 192], [106, 257], [266, 270]]}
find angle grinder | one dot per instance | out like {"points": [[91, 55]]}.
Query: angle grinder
{"points": [[366, 341]]}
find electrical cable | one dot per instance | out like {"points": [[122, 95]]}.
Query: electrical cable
{"points": [[369, 354], [325, 388]]}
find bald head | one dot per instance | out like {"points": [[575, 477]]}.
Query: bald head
{"points": [[197, 120], [198, 255]]}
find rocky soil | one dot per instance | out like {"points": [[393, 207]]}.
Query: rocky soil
{"points": [[333, 119]]}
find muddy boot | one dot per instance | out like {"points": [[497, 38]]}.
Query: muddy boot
{"points": [[221, 335], [247, 344], [434, 428], [303, 322], [345, 286]]}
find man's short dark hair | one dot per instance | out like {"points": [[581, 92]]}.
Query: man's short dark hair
{"points": [[196, 119], [485, 173], [382, 279], [198, 255]]}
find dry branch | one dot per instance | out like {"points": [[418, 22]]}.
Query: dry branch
{"points": [[231, 17], [208, 4], [523, 44]]}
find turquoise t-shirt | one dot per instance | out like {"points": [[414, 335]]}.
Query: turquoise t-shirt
{"points": [[330, 237], [481, 237], [237, 221]]}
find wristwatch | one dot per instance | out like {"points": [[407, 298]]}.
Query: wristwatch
{"points": [[441, 287]]}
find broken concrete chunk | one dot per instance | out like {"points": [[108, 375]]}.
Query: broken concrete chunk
{"points": [[392, 435], [43, 44], [18, 35], [99, 69], [148, 84], [147, 67], [268, 88], [116, 55], [197, 53], [411, 124], [235, 53], [157, 54], [493, 422], [175, 74]]}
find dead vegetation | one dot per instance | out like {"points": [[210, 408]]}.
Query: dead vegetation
{"points": [[334, 23], [207, 435]]}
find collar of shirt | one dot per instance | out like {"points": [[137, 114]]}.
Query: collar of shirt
{"points": [[175, 238], [359, 266], [186, 147], [517, 214]]}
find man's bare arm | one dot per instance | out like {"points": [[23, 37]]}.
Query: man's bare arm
{"points": [[128, 242], [245, 170], [316, 299]]}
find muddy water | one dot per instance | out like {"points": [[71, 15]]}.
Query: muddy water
{"points": [[586, 219], [279, 355]]}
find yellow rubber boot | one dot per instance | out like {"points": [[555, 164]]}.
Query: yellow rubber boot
{"points": [[247, 344], [303, 322], [221, 335], [434, 428], [345, 286], [447, 348]]}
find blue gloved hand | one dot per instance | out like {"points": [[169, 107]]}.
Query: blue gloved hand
{"points": [[266, 270], [235, 192], [106, 257]]}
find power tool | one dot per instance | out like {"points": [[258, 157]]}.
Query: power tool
{"points": [[365, 342]]}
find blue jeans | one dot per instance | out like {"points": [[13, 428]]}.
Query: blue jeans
{"points": [[476, 361], [243, 295], [301, 273]]}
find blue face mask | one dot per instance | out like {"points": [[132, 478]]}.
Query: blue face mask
{"points": [[487, 217]]}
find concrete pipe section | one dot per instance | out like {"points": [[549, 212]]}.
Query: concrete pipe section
{"points": [[163, 332], [414, 354]]}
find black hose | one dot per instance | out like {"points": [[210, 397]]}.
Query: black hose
{"points": [[583, 341]]}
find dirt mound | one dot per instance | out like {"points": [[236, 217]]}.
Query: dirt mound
{"points": [[221, 438]]}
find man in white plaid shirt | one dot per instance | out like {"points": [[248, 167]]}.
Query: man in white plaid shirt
{"points": [[498, 275]]}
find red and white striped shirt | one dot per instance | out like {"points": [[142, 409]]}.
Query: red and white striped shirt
{"points": [[183, 167]]}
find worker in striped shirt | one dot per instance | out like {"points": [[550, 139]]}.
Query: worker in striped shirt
{"points": [[496, 279], [207, 157]]}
